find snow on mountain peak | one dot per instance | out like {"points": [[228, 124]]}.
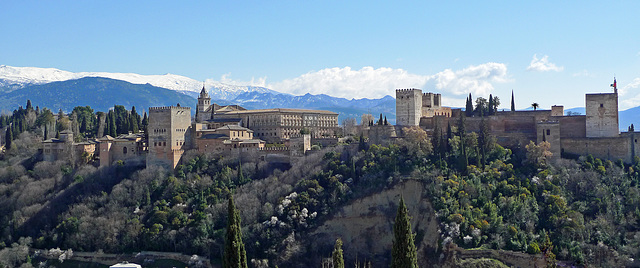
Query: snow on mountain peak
{"points": [[34, 75]]}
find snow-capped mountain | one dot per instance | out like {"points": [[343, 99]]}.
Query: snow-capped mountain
{"points": [[12, 78]]}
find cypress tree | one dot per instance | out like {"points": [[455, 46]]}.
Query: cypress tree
{"points": [[8, 138], [385, 120], [380, 120], [235, 255], [338, 260], [513, 103], [29, 107], [491, 104], [469, 107], [361, 144], [46, 132], [403, 252], [111, 118]]}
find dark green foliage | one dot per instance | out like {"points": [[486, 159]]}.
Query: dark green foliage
{"points": [[513, 102], [235, 255], [336, 256], [8, 138], [403, 252], [491, 106], [469, 106]]}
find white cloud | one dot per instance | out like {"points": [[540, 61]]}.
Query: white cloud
{"points": [[631, 92], [370, 82], [543, 64], [345, 82], [475, 79]]}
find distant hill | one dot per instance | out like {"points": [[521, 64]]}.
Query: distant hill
{"points": [[97, 92]]}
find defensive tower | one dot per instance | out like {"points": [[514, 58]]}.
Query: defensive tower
{"points": [[408, 106], [169, 134], [602, 114]]}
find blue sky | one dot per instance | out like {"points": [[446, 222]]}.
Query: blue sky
{"points": [[549, 52]]}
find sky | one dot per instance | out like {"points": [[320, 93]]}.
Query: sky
{"points": [[548, 52]]}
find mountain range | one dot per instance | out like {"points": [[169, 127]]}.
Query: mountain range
{"points": [[58, 89]]}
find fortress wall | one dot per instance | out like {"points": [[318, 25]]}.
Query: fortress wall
{"points": [[572, 126], [604, 148], [408, 107], [602, 115]]}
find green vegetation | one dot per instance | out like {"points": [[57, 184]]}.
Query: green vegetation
{"points": [[235, 255], [585, 211], [403, 253], [336, 256]]}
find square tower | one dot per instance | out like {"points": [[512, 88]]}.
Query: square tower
{"points": [[602, 115], [408, 107], [169, 134]]}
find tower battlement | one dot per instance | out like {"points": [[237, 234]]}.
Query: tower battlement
{"points": [[168, 108]]}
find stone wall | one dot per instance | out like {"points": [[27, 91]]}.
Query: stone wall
{"points": [[169, 134], [408, 106], [602, 115], [572, 126], [604, 148]]}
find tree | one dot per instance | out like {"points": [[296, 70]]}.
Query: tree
{"points": [[403, 252], [491, 105], [481, 106], [380, 120], [513, 102], [535, 106], [235, 255], [338, 260], [496, 104], [8, 138], [469, 106], [537, 155], [385, 121]]}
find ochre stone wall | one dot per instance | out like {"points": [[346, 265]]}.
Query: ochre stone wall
{"points": [[604, 148], [602, 115], [572, 126], [408, 107]]}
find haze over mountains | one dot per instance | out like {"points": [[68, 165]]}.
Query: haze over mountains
{"points": [[58, 89]]}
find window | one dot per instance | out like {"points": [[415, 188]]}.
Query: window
{"points": [[124, 150], [601, 105], [548, 132]]}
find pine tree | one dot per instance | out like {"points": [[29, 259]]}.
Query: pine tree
{"points": [[338, 260], [235, 255], [469, 107], [403, 252], [513, 103], [8, 138]]}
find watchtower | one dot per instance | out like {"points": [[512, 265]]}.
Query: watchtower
{"points": [[204, 101], [169, 134], [408, 106], [602, 115]]}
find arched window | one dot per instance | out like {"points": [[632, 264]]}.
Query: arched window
{"points": [[124, 150]]}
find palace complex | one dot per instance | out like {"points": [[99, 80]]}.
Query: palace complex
{"points": [[596, 133], [233, 129]]}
